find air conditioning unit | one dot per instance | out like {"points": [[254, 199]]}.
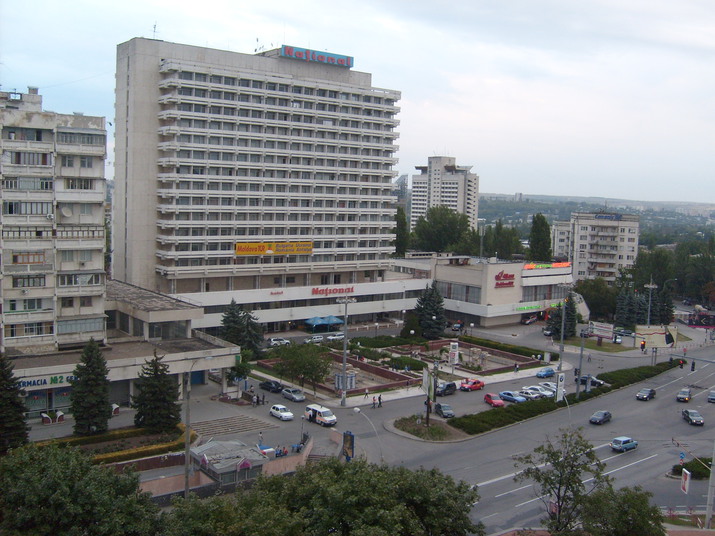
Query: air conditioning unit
{"points": [[24, 291], [50, 216]]}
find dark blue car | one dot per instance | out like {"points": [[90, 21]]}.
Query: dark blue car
{"points": [[547, 372]]}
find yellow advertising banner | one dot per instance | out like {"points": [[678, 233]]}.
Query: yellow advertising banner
{"points": [[274, 248]]}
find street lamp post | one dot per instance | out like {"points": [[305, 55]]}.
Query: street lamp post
{"points": [[650, 286], [471, 329], [346, 300], [187, 425], [563, 328], [580, 363], [379, 442], [377, 325]]}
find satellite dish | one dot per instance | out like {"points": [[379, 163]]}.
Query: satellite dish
{"points": [[66, 212]]}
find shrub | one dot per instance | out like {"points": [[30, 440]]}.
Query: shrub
{"points": [[385, 341], [402, 362], [697, 470], [505, 347]]}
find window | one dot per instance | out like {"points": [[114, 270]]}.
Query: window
{"points": [[28, 257], [27, 281], [27, 183], [80, 326], [67, 302], [79, 184], [30, 304], [85, 161], [85, 255], [27, 208], [74, 280], [67, 255], [85, 209], [26, 330]]}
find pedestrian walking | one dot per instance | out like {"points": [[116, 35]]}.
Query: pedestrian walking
{"points": [[254, 400], [379, 401], [516, 367], [589, 358], [260, 438], [374, 402], [367, 392]]}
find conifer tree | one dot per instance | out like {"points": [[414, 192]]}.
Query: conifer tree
{"points": [[13, 426], [90, 392], [540, 239], [156, 402], [240, 327], [430, 311]]}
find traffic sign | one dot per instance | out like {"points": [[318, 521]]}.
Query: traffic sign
{"points": [[682, 455]]}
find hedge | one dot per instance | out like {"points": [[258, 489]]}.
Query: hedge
{"points": [[402, 362], [385, 341], [697, 470], [484, 421], [506, 347]]}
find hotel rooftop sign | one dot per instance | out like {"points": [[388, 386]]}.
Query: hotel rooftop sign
{"points": [[314, 56]]}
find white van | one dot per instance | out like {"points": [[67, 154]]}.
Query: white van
{"points": [[320, 414]]}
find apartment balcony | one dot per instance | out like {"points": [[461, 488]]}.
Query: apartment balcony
{"points": [[81, 337], [27, 269], [169, 130], [81, 149], [28, 145], [22, 317], [80, 290], [26, 195], [79, 196], [10, 169]]}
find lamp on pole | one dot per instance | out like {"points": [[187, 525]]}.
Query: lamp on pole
{"points": [[187, 425], [379, 442], [650, 286], [563, 328], [346, 300], [471, 329]]}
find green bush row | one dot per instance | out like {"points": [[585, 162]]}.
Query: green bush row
{"points": [[505, 347], [484, 421], [111, 435], [385, 341], [142, 452], [405, 361]]}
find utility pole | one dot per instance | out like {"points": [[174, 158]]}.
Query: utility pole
{"points": [[650, 286]]}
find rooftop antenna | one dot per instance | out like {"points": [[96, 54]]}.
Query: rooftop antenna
{"points": [[154, 31], [259, 47]]}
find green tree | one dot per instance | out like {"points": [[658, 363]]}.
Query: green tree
{"points": [[439, 228], [430, 312], [468, 244], [90, 405], [565, 470], [628, 511], [599, 296], [349, 499], [402, 233], [242, 368], [571, 316], [540, 239], [306, 362], [13, 425], [157, 399], [58, 490], [241, 328]]}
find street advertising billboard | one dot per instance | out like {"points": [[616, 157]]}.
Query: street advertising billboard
{"points": [[273, 248], [657, 336]]}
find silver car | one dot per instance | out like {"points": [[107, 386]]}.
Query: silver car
{"points": [[291, 393]]}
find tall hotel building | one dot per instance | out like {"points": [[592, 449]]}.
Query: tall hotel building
{"points": [[443, 183], [52, 238], [262, 178]]}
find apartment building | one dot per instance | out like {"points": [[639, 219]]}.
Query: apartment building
{"points": [[52, 281], [262, 178], [599, 244], [443, 182]]}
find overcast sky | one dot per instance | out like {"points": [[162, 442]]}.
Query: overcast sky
{"points": [[612, 98]]}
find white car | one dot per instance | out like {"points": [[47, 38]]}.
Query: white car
{"points": [[543, 391], [339, 336], [551, 386], [313, 339], [279, 411], [278, 341]]}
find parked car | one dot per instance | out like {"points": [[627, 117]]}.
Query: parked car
{"points": [[543, 391], [526, 320], [339, 336], [623, 443], [547, 372], [493, 400], [617, 339], [600, 417], [445, 388], [457, 327], [471, 384], [548, 332], [313, 339], [279, 411], [530, 395], [623, 332], [278, 341], [595, 382], [692, 416], [711, 396], [294, 394], [320, 415], [274, 386], [684, 395], [511, 396], [551, 386], [444, 410], [645, 394]]}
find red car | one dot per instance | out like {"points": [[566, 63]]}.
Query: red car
{"points": [[471, 385], [493, 400]]}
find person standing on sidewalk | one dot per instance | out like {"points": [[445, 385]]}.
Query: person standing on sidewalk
{"points": [[374, 402], [367, 392], [379, 401], [260, 438]]}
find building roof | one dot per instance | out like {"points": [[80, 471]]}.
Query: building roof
{"points": [[143, 299]]}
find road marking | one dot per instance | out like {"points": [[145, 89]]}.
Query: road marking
{"points": [[512, 491]]}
